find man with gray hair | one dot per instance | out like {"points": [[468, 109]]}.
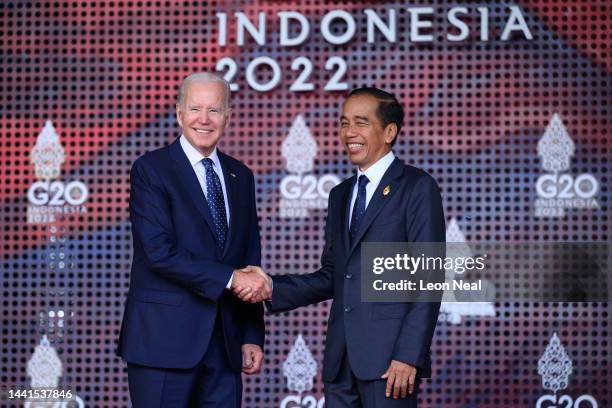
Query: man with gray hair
{"points": [[185, 337]]}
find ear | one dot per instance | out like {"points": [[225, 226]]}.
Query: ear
{"points": [[390, 133], [228, 116], [179, 115]]}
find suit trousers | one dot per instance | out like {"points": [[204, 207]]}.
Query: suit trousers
{"points": [[210, 384], [347, 391]]}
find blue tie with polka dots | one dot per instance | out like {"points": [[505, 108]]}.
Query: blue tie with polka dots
{"points": [[216, 203]]}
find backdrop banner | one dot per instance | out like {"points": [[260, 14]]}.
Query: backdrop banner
{"points": [[508, 106]]}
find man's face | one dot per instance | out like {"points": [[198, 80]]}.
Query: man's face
{"points": [[362, 133], [203, 116]]}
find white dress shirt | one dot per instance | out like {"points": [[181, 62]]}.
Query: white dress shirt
{"points": [[195, 159], [374, 173]]}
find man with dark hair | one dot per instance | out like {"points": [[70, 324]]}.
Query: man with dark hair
{"points": [[389, 109], [375, 352]]}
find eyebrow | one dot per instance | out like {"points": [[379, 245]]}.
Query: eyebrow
{"points": [[198, 105], [364, 118]]}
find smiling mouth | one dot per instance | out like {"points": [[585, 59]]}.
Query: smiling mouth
{"points": [[203, 131], [354, 147]]}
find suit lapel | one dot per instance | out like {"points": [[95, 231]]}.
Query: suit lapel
{"points": [[378, 200], [190, 181], [231, 187], [345, 197]]}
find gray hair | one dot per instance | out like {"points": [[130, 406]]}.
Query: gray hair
{"points": [[203, 77]]}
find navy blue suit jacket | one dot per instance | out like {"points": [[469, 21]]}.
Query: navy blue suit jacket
{"points": [[372, 333], [179, 275]]}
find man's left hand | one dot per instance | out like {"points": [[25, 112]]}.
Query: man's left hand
{"points": [[400, 378], [252, 357]]}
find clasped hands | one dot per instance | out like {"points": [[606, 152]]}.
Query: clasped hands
{"points": [[251, 284]]}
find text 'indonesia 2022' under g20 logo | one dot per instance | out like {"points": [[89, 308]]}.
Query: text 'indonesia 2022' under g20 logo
{"points": [[559, 190], [49, 198], [300, 191]]}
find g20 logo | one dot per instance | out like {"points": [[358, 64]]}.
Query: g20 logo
{"points": [[585, 186], [57, 193], [296, 187], [565, 401], [296, 401]]}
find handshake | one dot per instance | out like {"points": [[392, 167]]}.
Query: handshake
{"points": [[251, 284]]}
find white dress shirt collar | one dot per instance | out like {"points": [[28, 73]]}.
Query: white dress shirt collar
{"points": [[194, 156], [375, 172]]}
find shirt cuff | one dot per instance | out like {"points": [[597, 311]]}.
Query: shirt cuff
{"points": [[229, 284]]}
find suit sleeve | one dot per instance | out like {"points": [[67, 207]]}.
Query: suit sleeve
{"points": [[155, 238], [254, 327], [425, 223], [293, 291]]}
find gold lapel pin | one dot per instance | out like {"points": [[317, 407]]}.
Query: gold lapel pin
{"points": [[386, 191]]}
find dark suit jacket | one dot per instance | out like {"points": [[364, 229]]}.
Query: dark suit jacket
{"points": [[372, 333], [178, 275]]}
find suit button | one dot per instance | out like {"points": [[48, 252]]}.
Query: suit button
{"points": [[347, 309], [348, 276]]}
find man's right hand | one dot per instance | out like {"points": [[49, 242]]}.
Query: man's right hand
{"points": [[252, 284]]}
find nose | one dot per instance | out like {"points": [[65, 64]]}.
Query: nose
{"points": [[351, 130], [204, 116]]}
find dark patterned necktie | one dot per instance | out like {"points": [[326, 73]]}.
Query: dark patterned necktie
{"points": [[359, 207], [216, 203]]}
